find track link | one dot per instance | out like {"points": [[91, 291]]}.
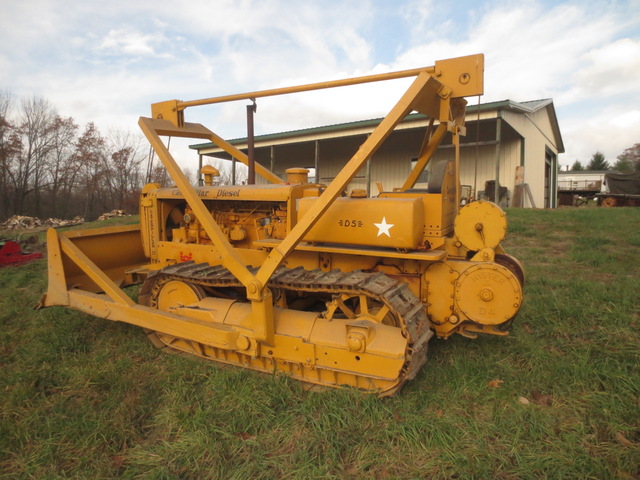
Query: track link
{"points": [[396, 296]]}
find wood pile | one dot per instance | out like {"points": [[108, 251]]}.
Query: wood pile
{"points": [[22, 222], [112, 214]]}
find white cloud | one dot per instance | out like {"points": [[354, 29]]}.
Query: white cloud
{"points": [[109, 65], [612, 69], [613, 129], [123, 42], [572, 53]]}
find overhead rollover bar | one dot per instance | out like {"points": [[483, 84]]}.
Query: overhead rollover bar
{"points": [[449, 72]]}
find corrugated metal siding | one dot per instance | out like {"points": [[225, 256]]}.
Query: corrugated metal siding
{"points": [[542, 121], [537, 131], [510, 158], [334, 154], [477, 166], [392, 163]]}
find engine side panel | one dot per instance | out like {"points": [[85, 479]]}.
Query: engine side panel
{"points": [[376, 222]]}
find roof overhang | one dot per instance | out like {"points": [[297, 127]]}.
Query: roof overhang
{"points": [[474, 113]]}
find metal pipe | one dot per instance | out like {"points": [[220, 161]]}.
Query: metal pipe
{"points": [[306, 88], [251, 109]]}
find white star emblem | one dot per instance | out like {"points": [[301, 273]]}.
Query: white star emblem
{"points": [[384, 227]]}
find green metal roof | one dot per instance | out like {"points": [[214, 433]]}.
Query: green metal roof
{"points": [[524, 107]]}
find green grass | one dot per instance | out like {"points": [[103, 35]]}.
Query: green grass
{"points": [[559, 398]]}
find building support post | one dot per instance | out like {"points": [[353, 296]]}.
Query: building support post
{"points": [[272, 158], [316, 161], [233, 171], [367, 176], [498, 140]]}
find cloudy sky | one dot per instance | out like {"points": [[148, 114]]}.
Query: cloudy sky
{"points": [[107, 61]]}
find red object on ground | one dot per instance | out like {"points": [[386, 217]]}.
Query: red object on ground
{"points": [[11, 254]]}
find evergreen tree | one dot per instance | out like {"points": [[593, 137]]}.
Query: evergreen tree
{"points": [[598, 162], [577, 166]]}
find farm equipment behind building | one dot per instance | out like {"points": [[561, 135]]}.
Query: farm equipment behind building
{"points": [[623, 190], [295, 277]]}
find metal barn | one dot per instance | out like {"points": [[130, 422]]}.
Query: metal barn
{"points": [[517, 143]]}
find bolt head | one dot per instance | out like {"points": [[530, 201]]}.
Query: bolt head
{"points": [[486, 294]]}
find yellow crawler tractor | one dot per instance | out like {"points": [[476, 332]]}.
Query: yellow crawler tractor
{"points": [[295, 277]]}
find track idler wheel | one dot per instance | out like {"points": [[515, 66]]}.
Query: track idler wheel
{"points": [[164, 295]]}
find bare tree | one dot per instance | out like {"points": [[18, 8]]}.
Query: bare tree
{"points": [[10, 149], [192, 176], [44, 156], [225, 167], [629, 160], [61, 172], [90, 153], [36, 125], [125, 176], [157, 174]]}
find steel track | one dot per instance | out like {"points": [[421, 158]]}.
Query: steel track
{"points": [[401, 302]]}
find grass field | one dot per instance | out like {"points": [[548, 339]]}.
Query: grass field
{"points": [[559, 398]]}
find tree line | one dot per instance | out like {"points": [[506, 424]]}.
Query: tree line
{"points": [[627, 162], [50, 167]]}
